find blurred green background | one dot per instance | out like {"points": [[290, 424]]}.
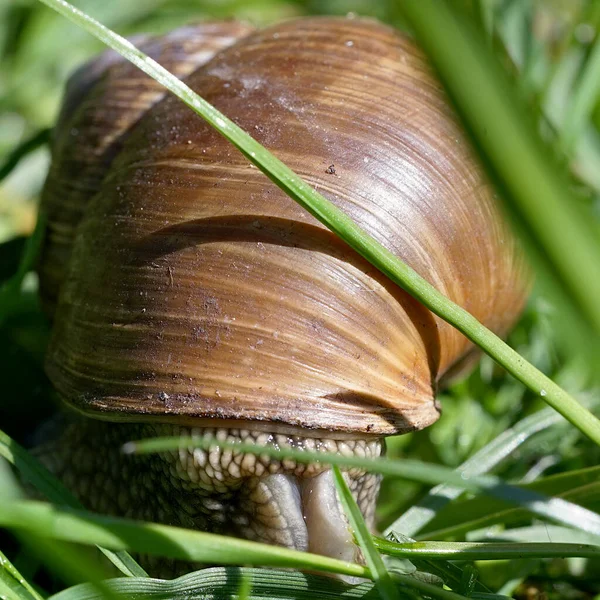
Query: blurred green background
{"points": [[543, 45]]}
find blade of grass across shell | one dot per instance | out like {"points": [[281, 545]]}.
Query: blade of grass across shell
{"points": [[342, 225], [50, 487]]}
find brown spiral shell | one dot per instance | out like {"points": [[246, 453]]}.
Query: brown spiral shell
{"points": [[103, 102], [197, 290]]}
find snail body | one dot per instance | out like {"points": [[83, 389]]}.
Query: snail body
{"points": [[197, 295]]}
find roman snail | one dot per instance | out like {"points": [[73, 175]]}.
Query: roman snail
{"points": [[194, 295]]}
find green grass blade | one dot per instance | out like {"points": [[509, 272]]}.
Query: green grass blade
{"points": [[33, 143], [555, 509], [535, 533], [363, 537], [12, 584], [11, 288], [538, 191], [465, 516], [68, 562], [49, 486], [583, 100], [224, 582], [486, 550], [483, 461], [84, 527], [342, 225], [244, 591], [448, 572], [382, 578]]}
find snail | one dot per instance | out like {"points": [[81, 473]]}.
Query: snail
{"points": [[190, 295]]}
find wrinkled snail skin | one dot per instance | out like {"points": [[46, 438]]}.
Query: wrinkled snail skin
{"points": [[257, 498], [197, 295]]}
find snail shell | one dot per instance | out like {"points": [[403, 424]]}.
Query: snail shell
{"points": [[103, 101], [197, 290]]}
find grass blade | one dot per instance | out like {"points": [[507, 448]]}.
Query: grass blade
{"points": [[49, 486], [535, 533], [12, 584], [382, 578], [84, 527], [363, 536], [342, 225], [483, 461], [223, 582], [33, 143], [486, 550], [583, 100], [468, 515]]}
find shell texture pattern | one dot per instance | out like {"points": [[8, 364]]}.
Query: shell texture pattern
{"points": [[196, 290]]}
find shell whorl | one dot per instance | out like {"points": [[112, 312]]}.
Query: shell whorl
{"points": [[197, 289], [103, 101]]}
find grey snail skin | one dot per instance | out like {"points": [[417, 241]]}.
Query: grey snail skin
{"points": [[190, 295]]}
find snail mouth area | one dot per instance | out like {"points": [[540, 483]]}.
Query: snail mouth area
{"points": [[277, 501]]}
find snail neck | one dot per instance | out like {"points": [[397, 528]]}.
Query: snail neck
{"points": [[277, 501]]}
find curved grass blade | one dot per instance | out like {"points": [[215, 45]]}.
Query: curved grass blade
{"points": [[33, 143], [554, 509], [48, 485], [381, 577], [11, 288], [224, 582], [583, 100], [343, 226], [12, 584], [85, 527], [182, 544], [473, 514], [483, 461]]}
